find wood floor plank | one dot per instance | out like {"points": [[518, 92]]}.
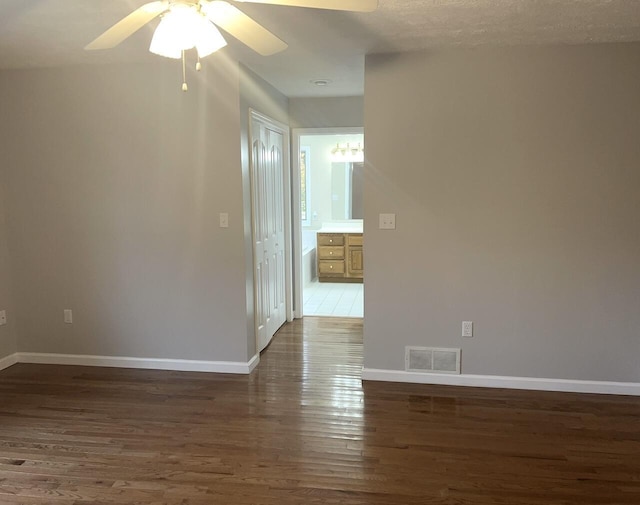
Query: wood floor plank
{"points": [[304, 429]]}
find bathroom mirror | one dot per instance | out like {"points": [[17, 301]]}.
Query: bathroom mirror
{"points": [[347, 180]]}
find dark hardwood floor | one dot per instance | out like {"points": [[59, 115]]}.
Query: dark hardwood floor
{"points": [[302, 429]]}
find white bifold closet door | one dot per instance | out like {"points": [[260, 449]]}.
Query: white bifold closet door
{"points": [[268, 207]]}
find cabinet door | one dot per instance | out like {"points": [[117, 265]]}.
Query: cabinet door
{"points": [[356, 261]]}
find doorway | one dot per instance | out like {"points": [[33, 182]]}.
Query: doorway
{"points": [[327, 178]]}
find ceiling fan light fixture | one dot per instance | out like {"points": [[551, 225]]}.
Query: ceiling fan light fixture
{"points": [[184, 27], [188, 24], [165, 40], [209, 39]]}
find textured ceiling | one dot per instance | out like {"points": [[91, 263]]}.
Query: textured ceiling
{"points": [[322, 44]]}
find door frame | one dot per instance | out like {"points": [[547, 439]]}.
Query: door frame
{"points": [[296, 211], [286, 192]]}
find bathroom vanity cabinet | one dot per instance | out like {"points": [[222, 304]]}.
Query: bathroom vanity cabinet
{"points": [[340, 257]]}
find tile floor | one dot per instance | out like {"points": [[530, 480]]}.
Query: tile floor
{"points": [[333, 299]]}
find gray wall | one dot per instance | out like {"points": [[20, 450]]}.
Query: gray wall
{"points": [[117, 179], [7, 332], [326, 112], [514, 175], [259, 95]]}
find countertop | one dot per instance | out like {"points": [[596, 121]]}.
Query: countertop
{"points": [[351, 228]]}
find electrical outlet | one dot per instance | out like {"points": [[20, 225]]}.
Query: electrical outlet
{"points": [[3, 317], [387, 222], [467, 328], [68, 316]]}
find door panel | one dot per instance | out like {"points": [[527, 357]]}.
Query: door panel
{"points": [[268, 198]]}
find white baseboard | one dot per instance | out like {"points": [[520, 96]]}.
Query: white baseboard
{"points": [[183, 365], [8, 361], [495, 381], [253, 362]]}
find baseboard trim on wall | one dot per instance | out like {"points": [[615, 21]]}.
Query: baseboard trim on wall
{"points": [[253, 362], [8, 361], [182, 365], [495, 381]]}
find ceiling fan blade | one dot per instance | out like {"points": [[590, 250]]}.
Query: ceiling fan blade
{"points": [[334, 5], [243, 28], [129, 25]]}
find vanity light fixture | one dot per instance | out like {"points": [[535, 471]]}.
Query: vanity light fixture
{"points": [[348, 153]]}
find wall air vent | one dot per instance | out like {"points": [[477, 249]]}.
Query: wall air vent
{"points": [[432, 360]]}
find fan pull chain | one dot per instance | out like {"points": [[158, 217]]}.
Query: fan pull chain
{"points": [[198, 64], [184, 73]]}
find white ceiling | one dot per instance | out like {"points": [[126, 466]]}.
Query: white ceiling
{"points": [[322, 44]]}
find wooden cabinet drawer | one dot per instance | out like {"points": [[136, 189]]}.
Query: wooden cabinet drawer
{"points": [[353, 239], [331, 268], [326, 252], [330, 239]]}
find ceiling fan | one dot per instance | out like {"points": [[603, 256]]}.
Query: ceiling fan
{"points": [[191, 23]]}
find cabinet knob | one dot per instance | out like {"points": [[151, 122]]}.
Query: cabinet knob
{"points": [[331, 267], [330, 252], [331, 241]]}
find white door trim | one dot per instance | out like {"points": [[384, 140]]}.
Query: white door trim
{"points": [[296, 213]]}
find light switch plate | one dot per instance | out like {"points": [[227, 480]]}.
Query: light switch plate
{"points": [[224, 220], [68, 316], [3, 317], [387, 222]]}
